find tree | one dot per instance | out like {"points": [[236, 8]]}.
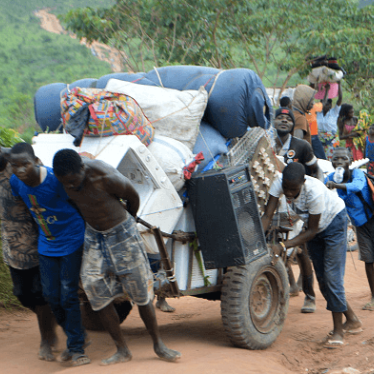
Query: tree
{"points": [[276, 38]]}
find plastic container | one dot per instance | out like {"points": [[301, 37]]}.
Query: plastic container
{"points": [[339, 175]]}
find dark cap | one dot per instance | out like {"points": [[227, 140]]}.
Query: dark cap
{"points": [[287, 111]]}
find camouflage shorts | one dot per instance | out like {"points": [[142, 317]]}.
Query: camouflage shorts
{"points": [[115, 261]]}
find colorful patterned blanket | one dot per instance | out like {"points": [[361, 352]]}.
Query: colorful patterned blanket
{"points": [[95, 112]]}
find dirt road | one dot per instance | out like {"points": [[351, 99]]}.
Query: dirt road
{"points": [[195, 329]]}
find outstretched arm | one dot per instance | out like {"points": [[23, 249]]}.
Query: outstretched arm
{"points": [[308, 234], [269, 212], [316, 172], [327, 88], [303, 237], [340, 94]]}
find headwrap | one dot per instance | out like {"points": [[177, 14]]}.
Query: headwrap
{"points": [[302, 96]]}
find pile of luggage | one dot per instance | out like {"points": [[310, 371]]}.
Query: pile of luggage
{"points": [[199, 107]]}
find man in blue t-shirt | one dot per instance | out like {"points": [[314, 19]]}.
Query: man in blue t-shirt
{"points": [[355, 192], [60, 243]]}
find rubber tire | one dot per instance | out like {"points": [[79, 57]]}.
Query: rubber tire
{"points": [[91, 319], [238, 319]]}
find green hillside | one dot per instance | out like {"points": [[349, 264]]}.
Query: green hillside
{"points": [[31, 57]]}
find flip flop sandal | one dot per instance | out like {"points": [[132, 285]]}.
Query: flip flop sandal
{"points": [[333, 344], [368, 306], [79, 359], [65, 356], [353, 331], [349, 332]]}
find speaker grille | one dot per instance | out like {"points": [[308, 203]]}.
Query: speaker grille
{"points": [[249, 224], [226, 217]]}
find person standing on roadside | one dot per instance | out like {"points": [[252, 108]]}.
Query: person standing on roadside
{"points": [[327, 121]]}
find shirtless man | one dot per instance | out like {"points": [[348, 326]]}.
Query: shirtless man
{"points": [[114, 254]]}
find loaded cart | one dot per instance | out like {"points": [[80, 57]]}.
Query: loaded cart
{"points": [[207, 238]]}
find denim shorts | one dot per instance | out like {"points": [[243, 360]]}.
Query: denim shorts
{"points": [[114, 263], [365, 240]]}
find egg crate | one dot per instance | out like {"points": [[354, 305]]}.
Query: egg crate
{"points": [[264, 167], [243, 149], [254, 149]]}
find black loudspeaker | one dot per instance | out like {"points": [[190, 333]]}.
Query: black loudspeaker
{"points": [[226, 216]]}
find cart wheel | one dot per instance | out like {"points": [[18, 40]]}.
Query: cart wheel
{"points": [[254, 303]]}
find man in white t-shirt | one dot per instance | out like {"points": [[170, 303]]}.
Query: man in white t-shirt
{"points": [[325, 215]]}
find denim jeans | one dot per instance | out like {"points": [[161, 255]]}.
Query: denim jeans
{"points": [[60, 279], [317, 146], [328, 251]]}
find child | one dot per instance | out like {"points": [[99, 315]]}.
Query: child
{"points": [[326, 235], [369, 150]]}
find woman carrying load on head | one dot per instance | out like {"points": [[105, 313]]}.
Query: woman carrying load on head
{"points": [[346, 123], [327, 124]]}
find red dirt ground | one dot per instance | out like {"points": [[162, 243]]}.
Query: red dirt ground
{"points": [[196, 330]]}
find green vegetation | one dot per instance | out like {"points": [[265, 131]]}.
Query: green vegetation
{"points": [[276, 38], [31, 57], [7, 299]]}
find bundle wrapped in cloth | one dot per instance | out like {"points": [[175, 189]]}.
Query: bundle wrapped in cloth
{"points": [[95, 112]]}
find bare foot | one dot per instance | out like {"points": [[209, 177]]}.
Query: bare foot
{"points": [[117, 358], [53, 342], [352, 327], [166, 354], [164, 306], [45, 352]]}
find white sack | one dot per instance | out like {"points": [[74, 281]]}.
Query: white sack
{"points": [[324, 74], [173, 113], [172, 156]]}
